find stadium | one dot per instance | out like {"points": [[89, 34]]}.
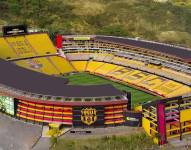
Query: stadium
{"points": [[96, 81]]}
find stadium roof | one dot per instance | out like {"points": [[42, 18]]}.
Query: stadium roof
{"points": [[34, 82], [179, 52]]}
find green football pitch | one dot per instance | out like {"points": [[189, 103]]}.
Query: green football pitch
{"points": [[138, 96]]}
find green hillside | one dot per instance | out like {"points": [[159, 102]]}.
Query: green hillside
{"points": [[160, 21]]}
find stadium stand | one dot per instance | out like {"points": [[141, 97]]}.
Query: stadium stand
{"points": [[182, 53], [161, 85], [145, 80], [35, 83], [24, 46], [119, 72], [92, 65], [62, 64], [136, 64], [35, 97], [40, 47], [29, 64], [140, 61], [51, 65], [41, 64], [172, 88], [78, 56], [102, 57], [79, 65], [145, 55], [125, 61], [105, 68]]}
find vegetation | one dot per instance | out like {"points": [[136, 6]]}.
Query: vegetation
{"points": [[164, 20], [87, 79], [129, 142]]}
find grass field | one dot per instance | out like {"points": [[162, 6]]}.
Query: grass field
{"points": [[88, 79], [128, 142]]}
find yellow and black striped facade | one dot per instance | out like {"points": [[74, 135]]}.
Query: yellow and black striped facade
{"points": [[73, 113]]}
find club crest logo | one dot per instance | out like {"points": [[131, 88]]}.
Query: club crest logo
{"points": [[88, 115]]}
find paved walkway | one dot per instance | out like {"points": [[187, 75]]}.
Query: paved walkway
{"points": [[43, 144], [100, 132], [17, 135]]}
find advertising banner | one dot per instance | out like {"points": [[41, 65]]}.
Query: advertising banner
{"points": [[133, 118]]}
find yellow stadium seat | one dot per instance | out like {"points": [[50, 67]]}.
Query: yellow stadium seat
{"points": [[6, 51], [62, 64], [177, 74], [28, 64], [27, 46], [136, 76], [48, 66], [92, 65], [18, 47], [172, 88], [79, 65], [157, 84], [121, 72], [168, 87], [152, 82], [41, 43], [42, 64], [127, 61], [106, 68], [24, 46]]}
